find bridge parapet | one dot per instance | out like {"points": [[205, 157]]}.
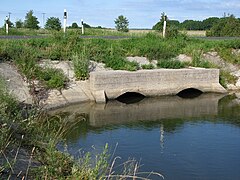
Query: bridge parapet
{"points": [[150, 83]]}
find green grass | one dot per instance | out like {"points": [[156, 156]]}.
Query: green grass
{"points": [[170, 64], [26, 53], [81, 65]]}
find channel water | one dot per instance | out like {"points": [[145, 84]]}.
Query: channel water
{"points": [[196, 138]]}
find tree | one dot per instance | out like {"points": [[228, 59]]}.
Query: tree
{"points": [[86, 25], [227, 26], [75, 25], [19, 23], [122, 23], [31, 21], [10, 24], [209, 22], [53, 23]]}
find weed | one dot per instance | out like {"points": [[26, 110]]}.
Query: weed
{"points": [[53, 78], [170, 64], [81, 64], [226, 78], [120, 63], [148, 66], [229, 56]]}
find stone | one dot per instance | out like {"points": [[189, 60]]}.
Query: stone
{"points": [[184, 58]]}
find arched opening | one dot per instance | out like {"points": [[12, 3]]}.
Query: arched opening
{"points": [[189, 93], [130, 97]]}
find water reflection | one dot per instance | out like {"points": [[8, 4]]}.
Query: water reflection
{"points": [[187, 138], [148, 113]]}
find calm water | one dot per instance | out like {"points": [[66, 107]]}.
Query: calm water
{"points": [[180, 138]]}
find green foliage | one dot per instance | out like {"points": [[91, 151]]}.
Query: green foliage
{"points": [[53, 78], [170, 64], [31, 21], [227, 26], [122, 23], [229, 56], [53, 23], [19, 24], [226, 78], [148, 66], [74, 25], [81, 64], [10, 24], [197, 60], [120, 63], [187, 24]]}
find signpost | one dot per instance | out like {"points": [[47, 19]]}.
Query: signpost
{"points": [[64, 21], [164, 24], [7, 26], [82, 26]]}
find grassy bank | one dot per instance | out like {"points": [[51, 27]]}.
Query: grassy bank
{"points": [[26, 53], [28, 128]]}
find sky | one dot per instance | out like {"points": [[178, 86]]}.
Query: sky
{"points": [[140, 13]]}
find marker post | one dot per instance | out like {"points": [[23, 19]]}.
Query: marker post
{"points": [[164, 25], [64, 21], [82, 26], [7, 26]]}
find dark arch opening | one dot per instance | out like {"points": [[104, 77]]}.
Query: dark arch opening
{"points": [[130, 97], [189, 93]]}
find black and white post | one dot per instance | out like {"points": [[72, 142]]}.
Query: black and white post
{"points": [[7, 25], [82, 26], [64, 21], [164, 24]]}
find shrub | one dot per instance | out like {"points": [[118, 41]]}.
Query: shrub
{"points": [[81, 64], [53, 78], [148, 66], [226, 78], [120, 63], [229, 56]]}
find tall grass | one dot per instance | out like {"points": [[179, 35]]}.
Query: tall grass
{"points": [[81, 65]]}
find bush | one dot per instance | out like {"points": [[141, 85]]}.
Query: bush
{"points": [[148, 66], [227, 26], [229, 56], [81, 64], [120, 63], [53, 78], [226, 78]]}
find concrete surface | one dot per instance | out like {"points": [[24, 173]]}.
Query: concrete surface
{"points": [[156, 82], [15, 83]]}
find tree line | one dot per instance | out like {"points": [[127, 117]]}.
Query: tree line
{"points": [[31, 22], [226, 26]]}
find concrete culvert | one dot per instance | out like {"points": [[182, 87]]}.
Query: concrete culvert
{"points": [[130, 97], [189, 93]]}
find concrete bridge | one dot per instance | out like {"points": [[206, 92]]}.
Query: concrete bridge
{"points": [[150, 83]]}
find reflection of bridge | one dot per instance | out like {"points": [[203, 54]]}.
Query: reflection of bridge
{"points": [[150, 83], [149, 109]]}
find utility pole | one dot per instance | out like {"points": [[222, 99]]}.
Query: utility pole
{"points": [[9, 14], [43, 21], [164, 24], [64, 21]]}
